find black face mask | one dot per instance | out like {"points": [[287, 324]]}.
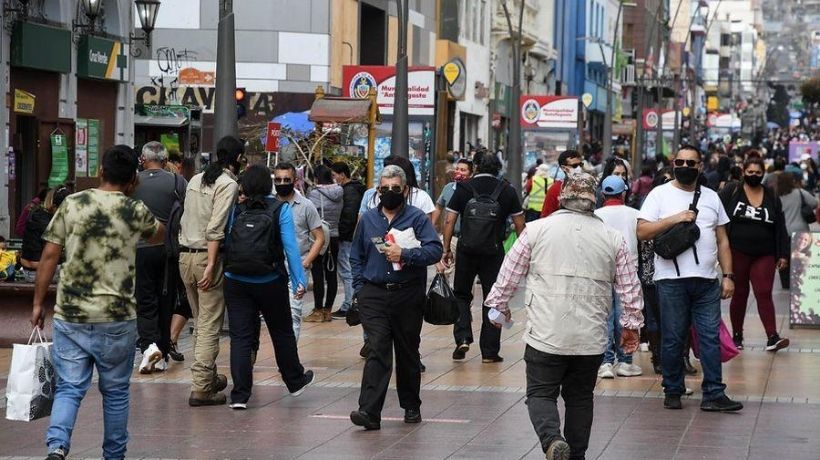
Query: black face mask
{"points": [[753, 181], [686, 175], [284, 189], [391, 200]]}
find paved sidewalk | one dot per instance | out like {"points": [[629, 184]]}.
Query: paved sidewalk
{"points": [[471, 410]]}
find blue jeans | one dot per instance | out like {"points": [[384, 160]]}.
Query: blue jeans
{"points": [[685, 302], [613, 343], [77, 350], [345, 272]]}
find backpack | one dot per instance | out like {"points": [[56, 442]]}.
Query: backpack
{"points": [[173, 224], [680, 237], [253, 244], [482, 225]]}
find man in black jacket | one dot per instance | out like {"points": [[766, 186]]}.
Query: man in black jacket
{"points": [[351, 200]]}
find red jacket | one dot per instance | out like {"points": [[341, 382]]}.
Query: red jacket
{"points": [[551, 201]]}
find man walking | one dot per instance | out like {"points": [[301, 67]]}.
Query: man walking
{"points": [[484, 203], [570, 161], [95, 314], [156, 286], [617, 215], [570, 261], [353, 191], [688, 286], [390, 282]]}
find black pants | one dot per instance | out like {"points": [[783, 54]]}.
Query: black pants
{"points": [[571, 376], [155, 299], [467, 268], [244, 302], [391, 319], [324, 270]]}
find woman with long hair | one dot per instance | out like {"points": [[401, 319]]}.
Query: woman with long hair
{"points": [[614, 166], [38, 219]]}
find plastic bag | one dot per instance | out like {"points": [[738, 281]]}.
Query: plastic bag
{"points": [[352, 317], [30, 387], [441, 307], [508, 243], [728, 350]]}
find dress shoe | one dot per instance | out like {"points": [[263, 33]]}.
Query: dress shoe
{"points": [[412, 416], [461, 350], [363, 419]]}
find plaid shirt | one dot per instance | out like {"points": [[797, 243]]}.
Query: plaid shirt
{"points": [[517, 264]]}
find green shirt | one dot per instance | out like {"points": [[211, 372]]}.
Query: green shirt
{"points": [[98, 231]]}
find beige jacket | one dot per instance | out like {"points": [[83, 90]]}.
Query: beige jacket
{"points": [[206, 210]]}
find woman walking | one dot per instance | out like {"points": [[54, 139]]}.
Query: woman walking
{"points": [[789, 187], [259, 236], [757, 233]]}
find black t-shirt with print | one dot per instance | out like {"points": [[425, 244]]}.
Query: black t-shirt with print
{"points": [[753, 230]]}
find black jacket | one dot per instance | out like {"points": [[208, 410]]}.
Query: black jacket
{"points": [[351, 200], [36, 224]]}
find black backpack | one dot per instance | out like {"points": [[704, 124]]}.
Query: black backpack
{"points": [[482, 225], [173, 225], [254, 245], [680, 237]]}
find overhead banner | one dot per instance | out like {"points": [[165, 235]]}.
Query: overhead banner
{"points": [[421, 87], [59, 160], [81, 148], [805, 279], [549, 112]]}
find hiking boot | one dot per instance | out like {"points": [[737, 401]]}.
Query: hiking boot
{"points": [[205, 398], [461, 350], [737, 338], [220, 382], [671, 401], [776, 343], [316, 316], [175, 354], [558, 450], [722, 404], [362, 418]]}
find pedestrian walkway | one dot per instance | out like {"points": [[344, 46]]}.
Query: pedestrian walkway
{"points": [[471, 410]]}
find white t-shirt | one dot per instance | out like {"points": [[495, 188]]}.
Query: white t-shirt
{"points": [[625, 220], [418, 198], [667, 200]]}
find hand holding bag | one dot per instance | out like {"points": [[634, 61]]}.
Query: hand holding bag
{"points": [[352, 315], [680, 237], [30, 387], [441, 307], [728, 350]]}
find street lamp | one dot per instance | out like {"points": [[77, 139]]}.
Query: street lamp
{"points": [[399, 142], [147, 13], [92, 9], [514, 153], [609, 105]]}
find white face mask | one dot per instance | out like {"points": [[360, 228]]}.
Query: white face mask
{"points": [[577, 170]]}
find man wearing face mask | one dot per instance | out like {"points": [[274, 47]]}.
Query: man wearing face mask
{"points": [[463, 172], [689, 288], [389, 281], [570, 162]]}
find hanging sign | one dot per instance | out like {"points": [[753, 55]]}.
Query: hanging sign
{"points": [[81, 148], [23, 101], [59, 160], [549, 112], [272, 137], [421, 87], [93, 147], [586, 98]]}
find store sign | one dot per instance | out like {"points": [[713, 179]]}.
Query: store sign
{"points": [[667, 118], [102, 59], [805, 279], [24, 101], [190, 76], [456, 76], [272, 137], [421, 85], [42, 47], [201, 96], [549, 112]]}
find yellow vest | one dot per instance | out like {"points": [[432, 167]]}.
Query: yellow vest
{"points": [[538, 192]]}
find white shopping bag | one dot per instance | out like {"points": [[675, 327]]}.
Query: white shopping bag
{"points": [[30, 387]]}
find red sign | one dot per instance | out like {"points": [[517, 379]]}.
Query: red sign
{"points": [[548, 112], [421, 87], [272, 137]]}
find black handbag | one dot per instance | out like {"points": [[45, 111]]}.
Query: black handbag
{"points": [[441, 307], [680, 237], [806, 211]]}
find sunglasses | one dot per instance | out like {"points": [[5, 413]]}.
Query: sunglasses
{"points": [[392, 188], [689, 163], [282, 180]]}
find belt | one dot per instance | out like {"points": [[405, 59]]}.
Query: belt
{"points": [[395, 286], [191, 250]]}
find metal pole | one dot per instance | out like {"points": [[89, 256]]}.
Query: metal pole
{"points": [[514, 152], [609, 89], [400, 143], [676, 109], [224, 99]]}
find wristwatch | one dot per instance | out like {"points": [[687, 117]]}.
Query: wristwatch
{"points": [[731, 276]]}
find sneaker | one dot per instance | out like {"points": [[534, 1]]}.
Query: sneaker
{"points": [[161, 366], [644, 347], [338, 314], [558, 450], [722, 404], [776, 343], [150, 358], [316, 316], [365, 350], [737, 338], [412, 416], [671, 401], [238, 406], [205, 398], [606, 371], [175, 354], [628, 370], [461, 350], [57, 454], [492, 359], [309, 378]]}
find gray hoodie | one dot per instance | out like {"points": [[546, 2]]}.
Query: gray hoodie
{"points": [[328, 200]]}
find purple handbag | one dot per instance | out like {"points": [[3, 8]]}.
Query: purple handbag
{"points": [[728, 350]]}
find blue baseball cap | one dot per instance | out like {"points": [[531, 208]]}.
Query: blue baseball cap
{"points": [[613, 185]]}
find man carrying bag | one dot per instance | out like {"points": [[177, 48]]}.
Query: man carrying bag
{"points": [[30, 388]]}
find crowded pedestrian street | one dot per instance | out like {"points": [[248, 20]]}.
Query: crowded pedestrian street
{"points": [[471, 410]]}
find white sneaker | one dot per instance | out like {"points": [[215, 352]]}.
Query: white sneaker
{"points": [[150, 358], [605, 371], [161, 366], [644, 347], [238, 406], [628, 370], [688, 391]]}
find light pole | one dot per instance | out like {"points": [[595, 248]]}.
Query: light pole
{"points": [[611, 78], [514, 153], [399, 142], [225, 98]]}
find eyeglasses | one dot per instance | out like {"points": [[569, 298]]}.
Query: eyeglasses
{"points": [[391, 188], [282, 180], [690, 163]]}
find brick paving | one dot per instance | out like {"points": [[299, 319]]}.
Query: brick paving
{"points": [[471, 410]]}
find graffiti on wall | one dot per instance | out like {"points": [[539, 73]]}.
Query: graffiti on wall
{"points": [[170, 62]]}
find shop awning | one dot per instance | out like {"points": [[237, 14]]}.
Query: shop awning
{"points": [[168, 122], [340, 110]]}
